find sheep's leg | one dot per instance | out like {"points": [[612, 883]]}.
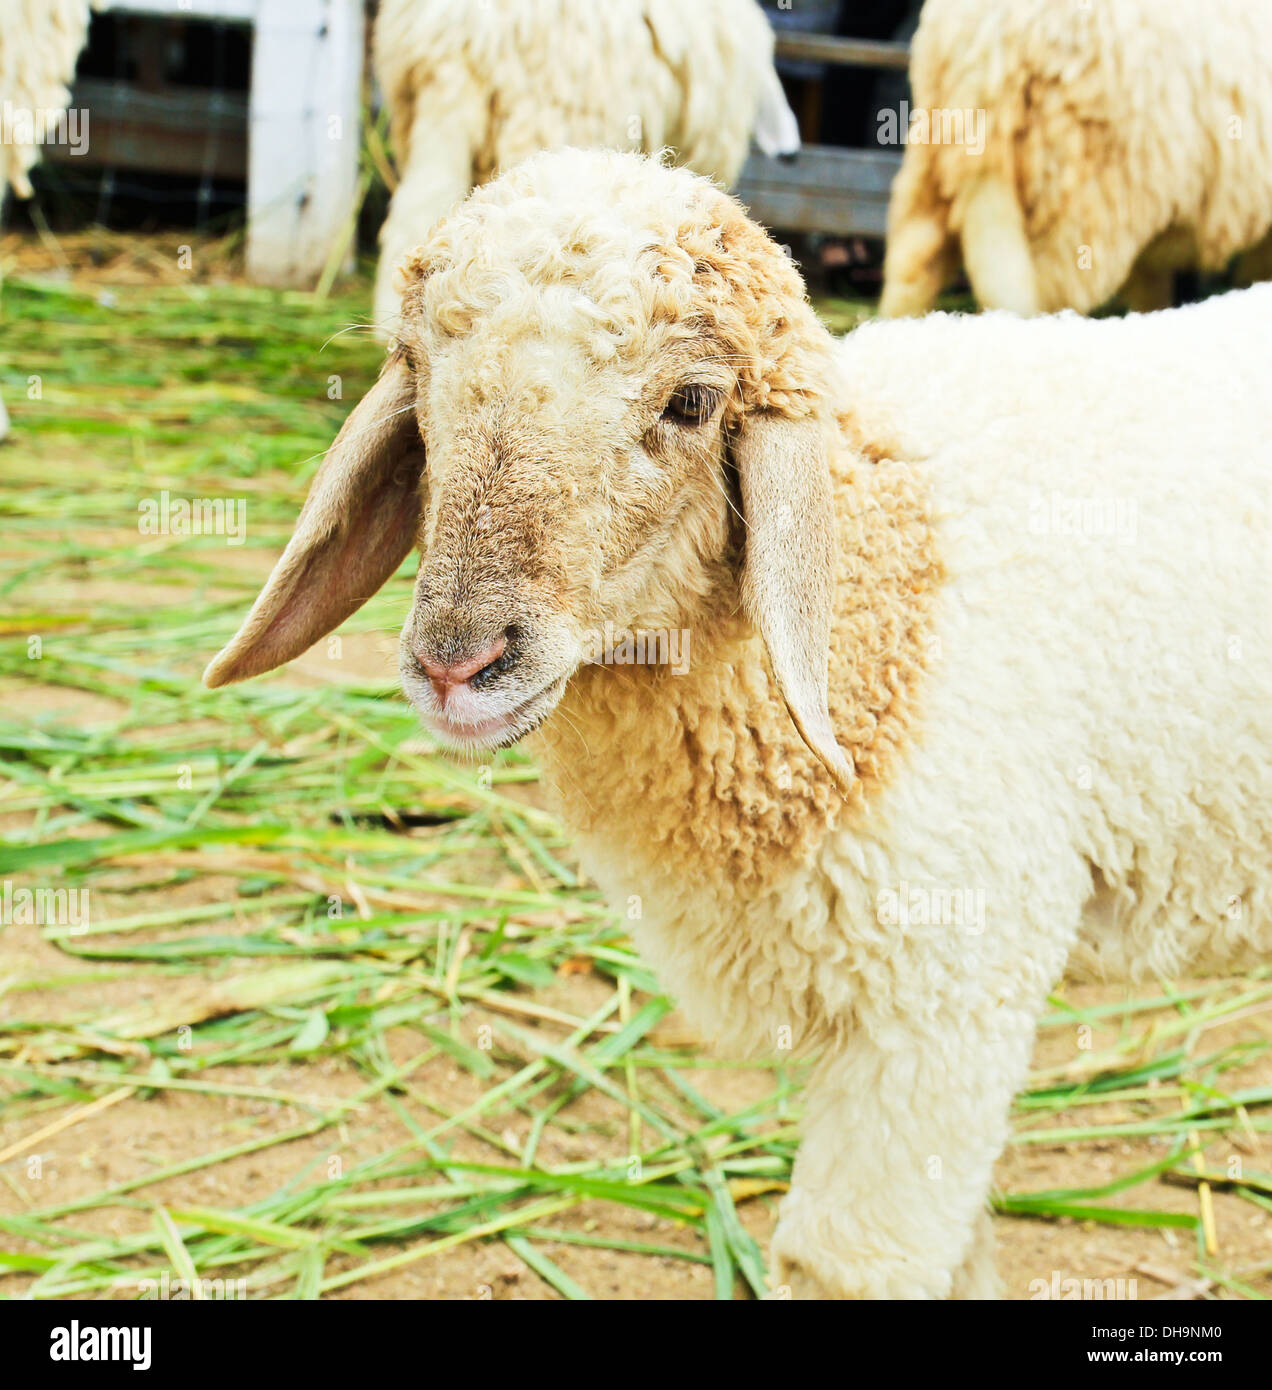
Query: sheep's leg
{"points": [[996, 249], [922, 254], [977, 1277], [436, 172], [888, 1195]]}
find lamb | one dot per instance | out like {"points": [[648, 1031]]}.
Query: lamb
{"points": [[1126, 140], [980, 678], [475, 88]]}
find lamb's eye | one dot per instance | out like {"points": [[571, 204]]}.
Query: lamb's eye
{"points": [[691, 405]]}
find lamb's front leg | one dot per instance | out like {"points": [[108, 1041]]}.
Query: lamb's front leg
{"points": [[977, 1277], [888, 1195]]}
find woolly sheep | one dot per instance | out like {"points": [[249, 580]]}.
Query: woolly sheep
{"points": [[1027, 558], [1125, 140], [472, 89], [40, 42]]}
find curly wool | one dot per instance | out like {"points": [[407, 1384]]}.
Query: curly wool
{"points": [[474, 90], [40, 42], [1124, 139]]}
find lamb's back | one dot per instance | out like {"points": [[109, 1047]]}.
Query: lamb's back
{"points": [[1100, 494]]}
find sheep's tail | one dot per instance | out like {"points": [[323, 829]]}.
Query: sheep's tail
{"points": [[996, 251], [776, 131], [445, 130], [922, 253]]}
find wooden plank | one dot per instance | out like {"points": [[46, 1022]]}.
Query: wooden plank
{"points": [[302, 120], [826, 48], [304, 136], [186, 130], [822, 189]]}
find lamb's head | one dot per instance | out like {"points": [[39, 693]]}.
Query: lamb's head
{"points": [[623, 398]]}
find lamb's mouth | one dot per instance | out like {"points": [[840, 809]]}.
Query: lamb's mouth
{"points": [[500, 730]]}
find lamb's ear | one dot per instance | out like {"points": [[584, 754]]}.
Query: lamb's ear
{"points": [[788, 575], [357, 525]]}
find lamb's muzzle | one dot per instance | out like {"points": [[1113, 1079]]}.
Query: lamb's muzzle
{"points": [[456, 672]]}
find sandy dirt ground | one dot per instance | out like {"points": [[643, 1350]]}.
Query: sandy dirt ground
{"points": [[140, 1135]]}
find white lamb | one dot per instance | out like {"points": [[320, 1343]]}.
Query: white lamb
{"points": [[1125, 140], [474, 88], [1037, 551]]}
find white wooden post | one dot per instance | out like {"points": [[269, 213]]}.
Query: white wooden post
{"points": [[304, 130], [304, 135]]}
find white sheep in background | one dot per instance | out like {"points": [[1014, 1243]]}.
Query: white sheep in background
{"points": [[473, 88], [1037, 551], [40, 42], [1125, 140]]}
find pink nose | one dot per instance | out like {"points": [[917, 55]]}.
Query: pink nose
{"points": [[449, 676]]}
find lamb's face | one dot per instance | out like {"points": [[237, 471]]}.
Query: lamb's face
{"points": [[585, 336], [606, 375], [574, 489]]}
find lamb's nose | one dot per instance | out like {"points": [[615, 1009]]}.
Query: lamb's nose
{"points": [[447, 676]]}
